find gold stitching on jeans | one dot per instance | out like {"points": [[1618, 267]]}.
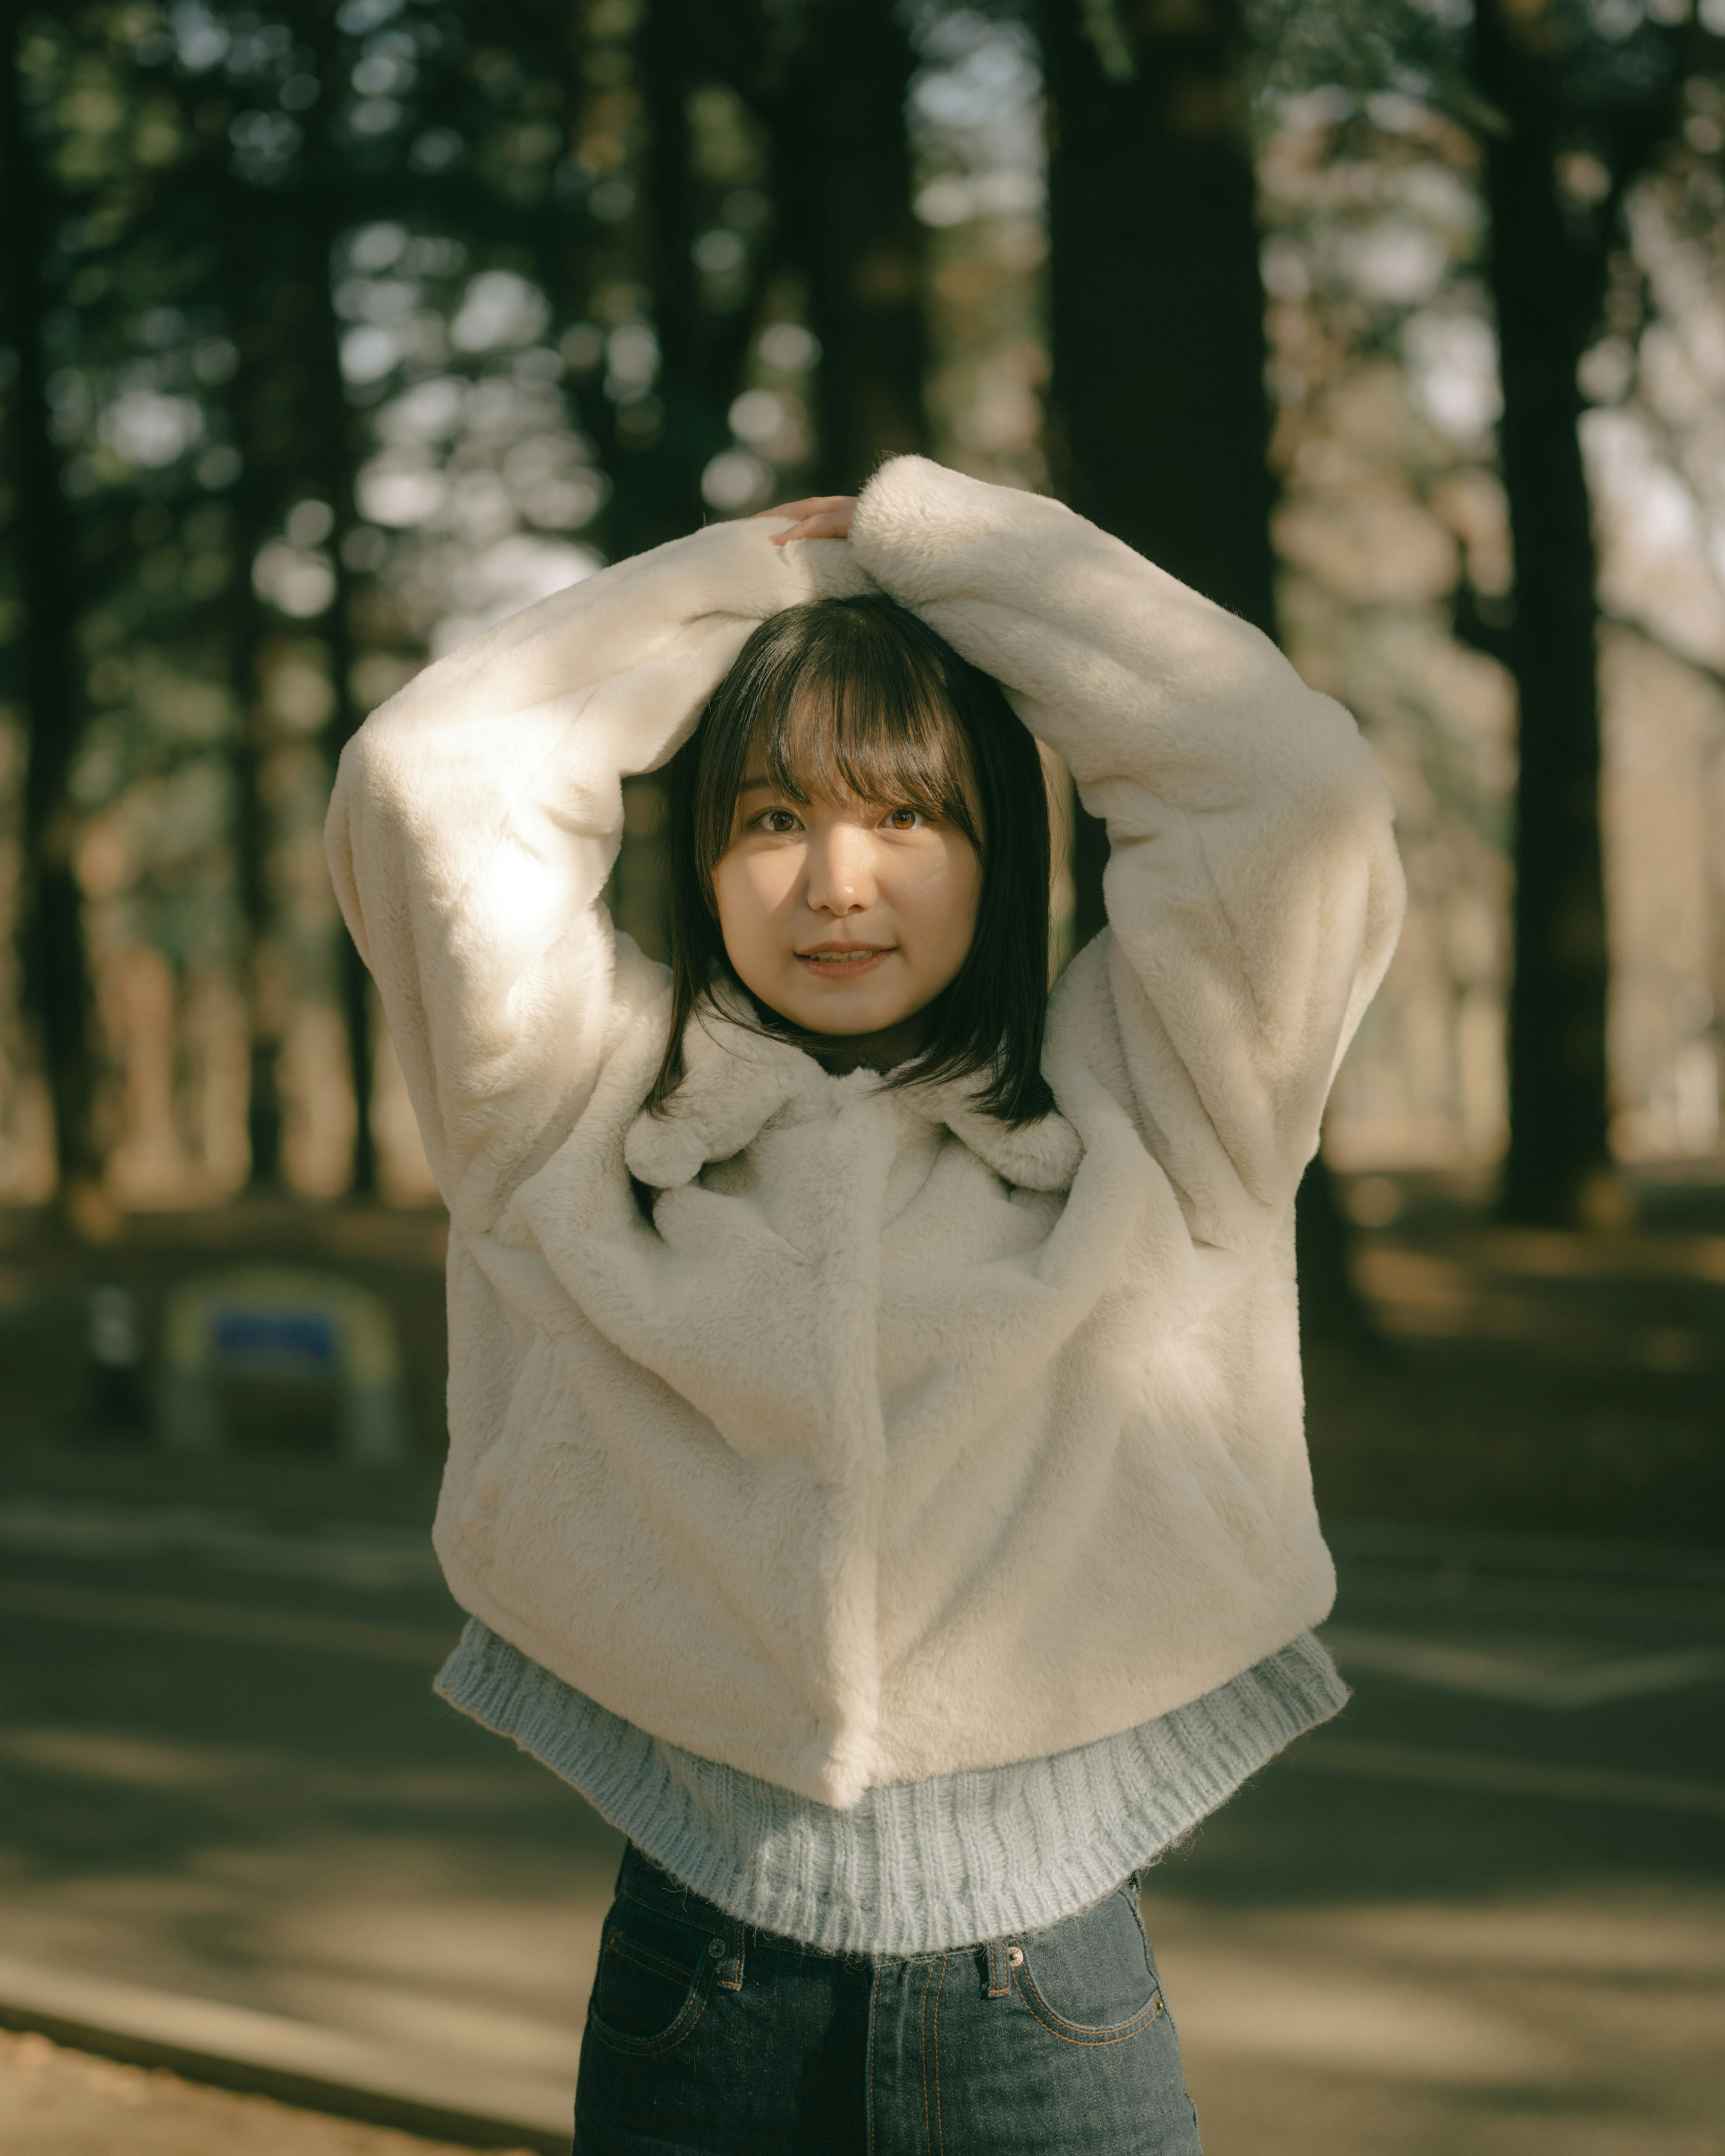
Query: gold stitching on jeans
{"points": [[646, 2047], [653, 1909], [874, 2000], [922, 2034], [940, 2138], [668, 2038], [733, 1958], [1057, 2025], [620, 1942]]}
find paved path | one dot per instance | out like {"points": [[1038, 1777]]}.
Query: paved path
{"points": [[1484, 1913], [1485, 1916], [59, 2102]]}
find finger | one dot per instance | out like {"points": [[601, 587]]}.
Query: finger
{"points": [[829, 524], [822, 524], [811, 505], [820, 517]]}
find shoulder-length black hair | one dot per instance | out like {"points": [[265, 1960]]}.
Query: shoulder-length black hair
{"points": [[861, 697]]}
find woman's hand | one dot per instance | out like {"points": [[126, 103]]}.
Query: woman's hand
{"points": [[821, 516]]}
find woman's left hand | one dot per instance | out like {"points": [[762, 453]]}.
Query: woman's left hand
{"points": [[820, 517]]}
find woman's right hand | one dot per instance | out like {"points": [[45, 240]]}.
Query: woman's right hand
{"points": [[820, 516]]}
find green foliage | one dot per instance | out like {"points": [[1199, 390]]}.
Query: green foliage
{"points": [[1365, 49]]}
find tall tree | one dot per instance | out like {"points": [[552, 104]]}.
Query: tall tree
{"points": [[1570, 102], [255, 509], [1560, 98], [1161, 423], [1160, 420], [843, 191], [326, 209], [269, 286], [685, 48], [1161, 428], [54, 959]]}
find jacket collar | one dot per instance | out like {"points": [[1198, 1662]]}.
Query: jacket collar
{"points": [[736, 1079]]}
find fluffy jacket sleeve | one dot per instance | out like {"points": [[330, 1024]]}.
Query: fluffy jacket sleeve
{"points": [[476, 818], [1253, 890]]}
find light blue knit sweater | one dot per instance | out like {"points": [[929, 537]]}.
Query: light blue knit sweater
{"points": [[924, 1865]]}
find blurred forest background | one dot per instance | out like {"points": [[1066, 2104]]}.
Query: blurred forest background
{"points": [[333, 333]]}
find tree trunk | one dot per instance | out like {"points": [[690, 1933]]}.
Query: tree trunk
{"points": [[332, 472], [1547, 272], [843, 190], [1160, 424], [265, 985], [682, 44], [247, 259], [329, 205], [695, 383], [55, 962]]}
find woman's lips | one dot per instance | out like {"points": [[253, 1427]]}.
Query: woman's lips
{"points": [[841, 965]]}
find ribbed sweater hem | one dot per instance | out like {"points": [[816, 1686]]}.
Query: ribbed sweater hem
{"points": [[923, 1867]]}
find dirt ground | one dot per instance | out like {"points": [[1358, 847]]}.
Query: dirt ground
{"points": [[1535, 1380], [59, 2102]]}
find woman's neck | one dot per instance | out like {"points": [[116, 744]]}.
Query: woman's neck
{"points": [[838, 1053]]}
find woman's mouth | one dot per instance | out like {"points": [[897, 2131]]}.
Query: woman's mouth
{"points": [[840, 963]]}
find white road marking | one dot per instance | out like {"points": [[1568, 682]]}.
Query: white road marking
{"points": [[1323, 1754], [352, 1556], [1547, 1673], [218, 1620]]}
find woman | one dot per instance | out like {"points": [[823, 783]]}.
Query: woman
{"points": [[876, 1471]]}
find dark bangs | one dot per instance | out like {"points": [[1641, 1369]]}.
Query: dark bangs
{"points": [[835, 698], [860, 696]]}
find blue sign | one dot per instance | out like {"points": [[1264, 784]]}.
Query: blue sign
{"points": [[301, 1340]]}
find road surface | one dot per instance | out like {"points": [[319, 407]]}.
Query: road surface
{"points": [[1483, 1913]]}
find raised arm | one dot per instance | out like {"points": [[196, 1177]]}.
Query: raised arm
{"points": [[1253, 893], [475, 818]]}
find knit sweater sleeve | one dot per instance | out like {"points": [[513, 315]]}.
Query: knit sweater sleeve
{"points": [[1253, 890], [475, 818]]}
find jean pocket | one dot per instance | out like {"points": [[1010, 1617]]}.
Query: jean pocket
{"points": [[1090, 1979], [655, 1976]]}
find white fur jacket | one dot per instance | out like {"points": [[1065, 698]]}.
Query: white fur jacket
{"points": [[898, 1443]]}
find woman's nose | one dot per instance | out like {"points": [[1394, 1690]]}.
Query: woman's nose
{"points": [[841, 877]]}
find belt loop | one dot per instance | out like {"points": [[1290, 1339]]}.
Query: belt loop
{"points": [[731, 1969], [999, 1978]]}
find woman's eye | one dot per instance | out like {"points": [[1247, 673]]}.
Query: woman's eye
{"points": [[905, 819], [776, 821]]}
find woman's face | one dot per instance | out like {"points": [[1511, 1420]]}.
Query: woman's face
{"points": [[843, 917]]}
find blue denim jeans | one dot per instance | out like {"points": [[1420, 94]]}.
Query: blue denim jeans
{"points": [[706, 2036]]}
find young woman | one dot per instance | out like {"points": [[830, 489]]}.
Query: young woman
{"points": [[876, 1469]]}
